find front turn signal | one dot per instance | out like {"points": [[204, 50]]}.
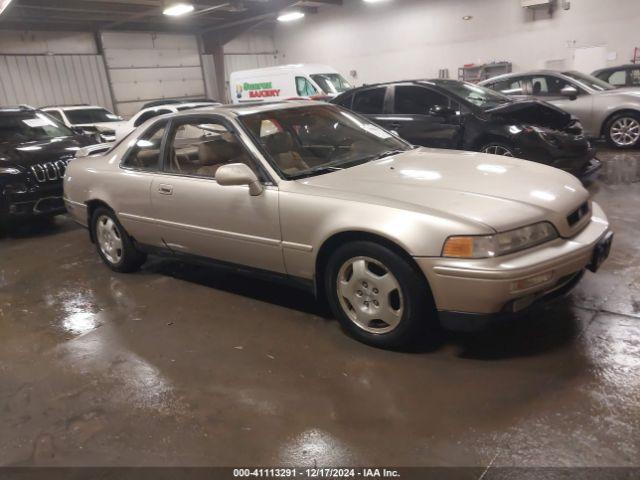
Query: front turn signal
{"points": [[458, 247]]}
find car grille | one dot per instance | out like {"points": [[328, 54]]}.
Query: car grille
{"points": [[578, 214], [50, 171]]}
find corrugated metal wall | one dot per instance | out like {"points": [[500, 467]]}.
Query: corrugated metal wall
{"points": [[145, 67], [40, 80]]}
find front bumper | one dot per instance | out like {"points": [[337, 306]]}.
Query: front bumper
{"points": [[33, 202], [502, 286], [575, 156]]}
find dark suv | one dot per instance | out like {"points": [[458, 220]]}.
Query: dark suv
{"points": [[34, 152], [464, 116]]}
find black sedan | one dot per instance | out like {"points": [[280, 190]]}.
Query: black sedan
{"points": [[34, 151], [464, 116]]}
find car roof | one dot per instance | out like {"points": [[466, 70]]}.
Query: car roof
{"points": [[423, 81], [71, 107], [251, 108], [628, 66], [314, 68], [521, 74]]}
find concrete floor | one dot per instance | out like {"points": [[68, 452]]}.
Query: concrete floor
{"points": [[182, 365]]}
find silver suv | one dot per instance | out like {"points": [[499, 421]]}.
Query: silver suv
{"points": [[605, 111]]}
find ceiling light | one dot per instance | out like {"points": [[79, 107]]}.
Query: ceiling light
{"points": [[178, 9], [290, 16], [3, 5], [374, 1], [467, 17]]}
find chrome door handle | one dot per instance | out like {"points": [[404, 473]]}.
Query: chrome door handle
{"points": [[165, 189]]}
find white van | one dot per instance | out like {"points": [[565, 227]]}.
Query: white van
{"points": [[286, 82]]}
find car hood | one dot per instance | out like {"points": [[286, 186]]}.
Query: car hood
{"points": [[31, 153], [489, 191], [532, 112]]}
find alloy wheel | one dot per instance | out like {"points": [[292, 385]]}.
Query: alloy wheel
{"points": [[497, 150], [370, 295], [625, 131], [109, 239]]}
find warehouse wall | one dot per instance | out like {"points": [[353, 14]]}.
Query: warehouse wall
{"points": [[44, 68], [385, 42], [254, 49], [145, 67]]}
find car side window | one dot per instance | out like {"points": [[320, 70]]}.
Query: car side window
{"points": [[198, 147], [346, 100], [150, 114], [634, 76], [414, 100], [370, 101], [548, 86], [145, 154], [510, 86], [617, 78], [304, 87], [55, 114]]}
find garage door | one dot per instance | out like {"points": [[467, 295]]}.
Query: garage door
{"points": [[40, 80], [145, 67]]}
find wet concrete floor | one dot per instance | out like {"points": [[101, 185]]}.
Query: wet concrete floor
{"points": [[184, 365]]}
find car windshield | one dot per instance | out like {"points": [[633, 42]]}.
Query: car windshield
{"points": [[309, 141], [590, 81], [21, 127], [90, 115], [475, 94], [331, 83]]}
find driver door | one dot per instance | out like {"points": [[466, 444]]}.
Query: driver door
{"points": [[549, 88], [196, 215]]}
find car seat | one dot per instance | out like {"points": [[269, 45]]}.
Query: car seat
{"points": [[281, 147]]}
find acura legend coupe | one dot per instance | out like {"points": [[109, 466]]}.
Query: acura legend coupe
{"points": [[396, 237]]}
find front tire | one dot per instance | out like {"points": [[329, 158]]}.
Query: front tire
{"points": [[498, 148], [378, 296], [114, 245], [623, 130]]}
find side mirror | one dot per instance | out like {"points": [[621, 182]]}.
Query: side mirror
{"points": [[239, 174], [440, 111], [570, 92], [78, 131]]}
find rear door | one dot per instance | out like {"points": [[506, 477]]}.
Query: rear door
{"points": [[371, 103], [424, 116]]}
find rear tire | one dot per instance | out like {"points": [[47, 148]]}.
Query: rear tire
{"points": [[114, 244], [379, 297], [623, 130]]}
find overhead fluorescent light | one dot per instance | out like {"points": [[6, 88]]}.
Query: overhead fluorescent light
{"points": [[374, 1], [178, 9], [3, 5], [290, 16]]}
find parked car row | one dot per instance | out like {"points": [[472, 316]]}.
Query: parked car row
{"points": [[341, 198]]}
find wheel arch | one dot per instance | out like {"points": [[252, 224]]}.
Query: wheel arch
{"points": [[485, 138], [336, 240], [92, 206], [605, 123]]}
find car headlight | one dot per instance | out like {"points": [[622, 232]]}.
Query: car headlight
{"points": [[9, 171], [487, 246]]}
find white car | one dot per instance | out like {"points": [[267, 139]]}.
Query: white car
{"points": [[125, 127], [91, 119]]}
